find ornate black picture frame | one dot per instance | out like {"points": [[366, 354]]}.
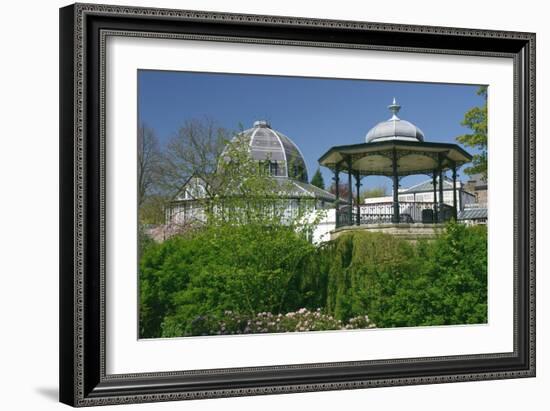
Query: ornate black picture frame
{"points": [[83, 30]]}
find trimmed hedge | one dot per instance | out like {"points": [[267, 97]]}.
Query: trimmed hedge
{"points": [[399, 284], [188, 284]]}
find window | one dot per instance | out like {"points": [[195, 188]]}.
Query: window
{"points": [[298, 172], [273, 168]]}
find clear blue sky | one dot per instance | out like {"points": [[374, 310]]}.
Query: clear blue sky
{"points": [[315, 113]]}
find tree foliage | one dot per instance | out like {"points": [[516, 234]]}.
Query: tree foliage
{"points": [[149, 174], [148, 161], [194, 152], [151, 211], [317, 179], [163, 169], [476, 120]]}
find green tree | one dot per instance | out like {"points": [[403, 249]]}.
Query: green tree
{"points": [[317, 179], [151, 211], [476, 120]]}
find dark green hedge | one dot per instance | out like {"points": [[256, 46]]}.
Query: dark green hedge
{"points": [[399, 284], [249, 269]]}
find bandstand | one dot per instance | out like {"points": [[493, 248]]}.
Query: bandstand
{"points": [[394, 148]]}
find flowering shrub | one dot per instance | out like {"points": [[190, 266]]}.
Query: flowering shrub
{"points": [[266, 322]]}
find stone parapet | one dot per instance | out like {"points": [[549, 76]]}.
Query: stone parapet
{"points": [[406, 231]]}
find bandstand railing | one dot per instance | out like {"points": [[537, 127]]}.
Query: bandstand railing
{"points": [[382, 213]]}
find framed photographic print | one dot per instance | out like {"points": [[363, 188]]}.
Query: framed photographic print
{"points": [[262, 204]]}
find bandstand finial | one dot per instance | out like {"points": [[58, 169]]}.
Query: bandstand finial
{"points": [[394, 108]]}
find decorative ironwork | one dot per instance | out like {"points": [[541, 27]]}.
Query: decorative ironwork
{"points": [[383, 213]]}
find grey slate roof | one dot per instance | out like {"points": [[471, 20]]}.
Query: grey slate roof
{"points": [[315, 191], [427, 186], [472, 214], [290, 188]]}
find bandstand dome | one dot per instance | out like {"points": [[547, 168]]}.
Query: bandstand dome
{"points": [[395, 147], [394, 128], [269, 145]]}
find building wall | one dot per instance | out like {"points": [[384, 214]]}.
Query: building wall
{"points": [[481, 196], [184, 212], [326, 225], [189, 211]]}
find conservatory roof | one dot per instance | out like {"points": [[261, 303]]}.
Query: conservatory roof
{"points": [[315, 191], [472, 214], [266, 143]]}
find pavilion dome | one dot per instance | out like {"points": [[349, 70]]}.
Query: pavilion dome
{"points": [[394, 129], [276, 149]]}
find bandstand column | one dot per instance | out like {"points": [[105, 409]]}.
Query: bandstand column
{"points": [[337, 183], [350, 194], [441, 193], [395, 217], [358, 204], [337, 192], [434, 184], [455, 210]]}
